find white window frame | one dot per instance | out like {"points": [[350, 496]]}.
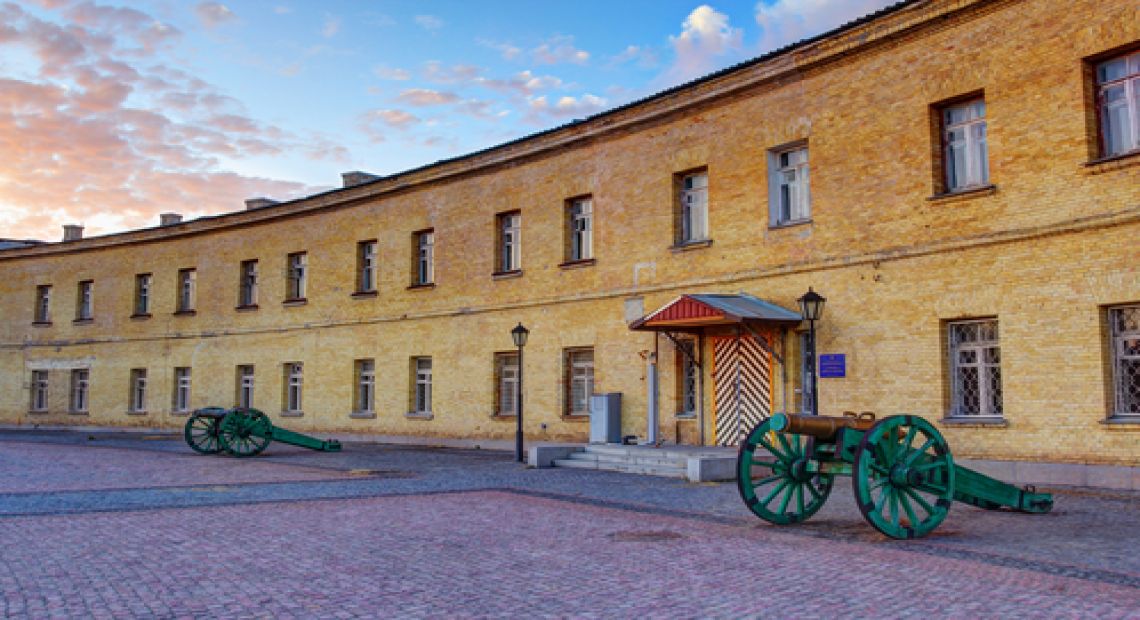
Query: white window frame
{"points": [[510, 241], [39, 390], [80, 390], [365, 386], [182, 387], [580, 377], [296, 276], [245, 384], [137, 402], [247, 284], [507, 381], [1125, 347], [694, 207], [425, 257], [43, 303], [143, 283], [366, 266], [580, 219], [294, 387], [789, 180], [967, 135], [422, 386], [187, 289], [982, 351], [1127, 83], [85, 303]]}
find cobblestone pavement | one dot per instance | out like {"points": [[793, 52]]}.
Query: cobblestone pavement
{"points": [[122, 525]]}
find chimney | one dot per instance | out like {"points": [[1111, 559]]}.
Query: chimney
{"points": [[356, 177], [72, 232], [257, 203], [166, 219]]}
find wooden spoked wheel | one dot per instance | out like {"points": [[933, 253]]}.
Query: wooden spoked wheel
{"points": [[244, 432], [777, 477], [903, 477], [201, 433]]}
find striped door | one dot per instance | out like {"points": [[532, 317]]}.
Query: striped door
{"points": [[742, 379]]}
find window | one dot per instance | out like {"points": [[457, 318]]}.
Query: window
{"points": [[579, 364], [79, 390], [181, 389], [137, 401], [580, 229], [975, 363], [506, 384], [1118, 103], [1125, 333], [790, 195], [142, 294], [509, 232], [245, 386], [965, 155], [365, 401], [293, 384], [39, 390], [295, 276], [187, 290], [688, 375], [84, 303], [247, 284], [366, 266], [424, 267], [694, 206], [43, 304], [421, 386]]}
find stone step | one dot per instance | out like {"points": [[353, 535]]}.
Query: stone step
{"points": [[628, 468], [653, 460], [670, 453]]}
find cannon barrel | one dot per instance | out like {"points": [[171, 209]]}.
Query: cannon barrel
{"points": [[823, 428]]}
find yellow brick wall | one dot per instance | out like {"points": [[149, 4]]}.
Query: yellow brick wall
{"points": [[1044, 252]]}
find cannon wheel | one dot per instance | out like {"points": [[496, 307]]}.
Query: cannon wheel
{"points": [[244, 432], [778, 487], [902, 490], [201, 433]]}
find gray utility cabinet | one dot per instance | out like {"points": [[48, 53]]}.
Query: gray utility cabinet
{"points": [[605, 418]]}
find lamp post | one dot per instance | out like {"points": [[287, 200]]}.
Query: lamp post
{"points": [[519, 334], [811, 307]]}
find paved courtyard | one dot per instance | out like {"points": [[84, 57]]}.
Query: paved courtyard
{"points": [[128, 525]]}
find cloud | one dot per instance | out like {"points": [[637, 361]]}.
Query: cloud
{"points": [[213, 14], [282, 10], [787, 21], [428, 22], [435, 71], [392, 118], [506, 50], [539, 108], [427, 97], [388, 73], [706, 40], [522, 83], [330, 27], [559, 49], [644, 57]]}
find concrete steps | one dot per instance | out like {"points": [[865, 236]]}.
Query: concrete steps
{"points": [[677, 462]]}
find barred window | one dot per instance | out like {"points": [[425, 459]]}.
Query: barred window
{"points": [[181, 389], [80, 378], [137, 402], [975, 363], [294, 380], [1125, 333], [245, 386], [506, 384], [39, 390], [421, 386], [365, 401], [579, 364], [687, 377]]}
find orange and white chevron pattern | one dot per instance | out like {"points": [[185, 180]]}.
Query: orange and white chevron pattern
{"points": [[742, 384]]}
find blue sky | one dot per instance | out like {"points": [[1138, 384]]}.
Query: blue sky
{"points": [[113, 113]]}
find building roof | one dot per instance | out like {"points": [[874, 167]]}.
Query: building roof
{"points": [[712, 309]]}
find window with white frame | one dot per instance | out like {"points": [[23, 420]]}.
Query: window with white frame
{"points": [[247, 284], [1118, 99], [39, 390], [424, 269], [579, 365], [510, 242], [85, 301], [421, 386], [80, 378], [43, 304], [975, 369], [506, 384], [365, 401], [187, 289], [294, 380], [688, 376], [790, 199], [142, 294], [694, 208], [965, 154], [580, 229], [137, 402], [1124, 325], [366, 266], [296, 274], [181, 403], [245, 386]]}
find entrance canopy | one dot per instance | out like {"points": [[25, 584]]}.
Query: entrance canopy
{"points": [[694, 313]]}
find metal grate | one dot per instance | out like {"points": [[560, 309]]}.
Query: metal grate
{"points": [[975, 360], [1126, 359]]}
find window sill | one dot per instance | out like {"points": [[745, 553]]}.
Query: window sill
{"points": [[685, 246], [41, 323], [82, 413], [962, 194], [1131, 421], [140, 316], [975, 422], [294, 301], [362, 415], [38, 412], [185, 312], [246, 307], [83, 321], [136, 413], [507, 275], [504, 417], [364, 294], [575, 417], [419, 415], [292, 414], [686, 416], [789, 224], [1112, 162], [578, 264], [420, 287]]}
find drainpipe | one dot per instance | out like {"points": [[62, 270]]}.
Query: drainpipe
{"points": [[651, 385]]}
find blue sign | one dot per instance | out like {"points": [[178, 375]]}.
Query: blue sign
{"points": [[833, 365]]}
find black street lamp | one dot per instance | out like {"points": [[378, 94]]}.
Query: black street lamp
{"points": [[811, 307], [519, 334]]}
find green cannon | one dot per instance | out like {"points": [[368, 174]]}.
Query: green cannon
{"points": [[904, 477], [243, 432]]}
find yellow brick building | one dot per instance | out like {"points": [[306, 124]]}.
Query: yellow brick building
{"points": [[960, 179]]}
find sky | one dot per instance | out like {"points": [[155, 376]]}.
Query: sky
{"points": [[113, 113]]}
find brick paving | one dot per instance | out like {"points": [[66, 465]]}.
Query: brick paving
{"points": [[470, 534]]}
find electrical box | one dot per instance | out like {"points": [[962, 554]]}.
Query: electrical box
{"points": [[605, 418]]}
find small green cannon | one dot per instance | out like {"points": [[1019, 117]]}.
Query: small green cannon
{"points": [[243, 432], [903, 475]]}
